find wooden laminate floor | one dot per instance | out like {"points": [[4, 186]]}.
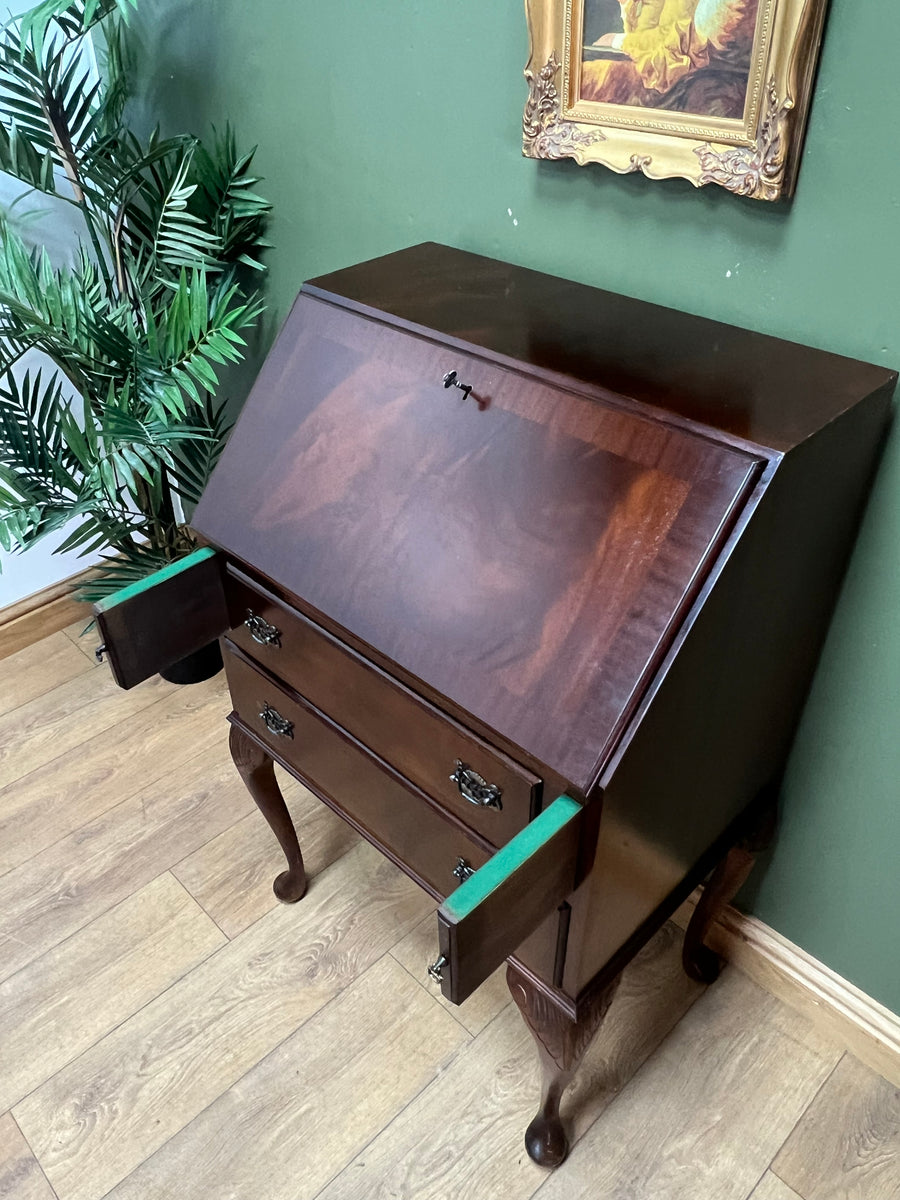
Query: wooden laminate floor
{"points": [[167, 1030]]}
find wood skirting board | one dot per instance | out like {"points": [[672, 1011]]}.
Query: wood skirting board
{"points": [[39, 615], [863, 1026]]}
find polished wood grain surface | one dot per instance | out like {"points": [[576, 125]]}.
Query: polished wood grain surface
{"points": [[162, 621], [749, 385], [230, 1059], [388, 811], [396, 724], [549, 551], [529, 556]]}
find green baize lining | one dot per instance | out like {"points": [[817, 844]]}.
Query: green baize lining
{"points": [[144, 585], [479, 886]]}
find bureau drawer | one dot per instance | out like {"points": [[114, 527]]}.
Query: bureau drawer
{"points": [[416, 834], [422, 743]]}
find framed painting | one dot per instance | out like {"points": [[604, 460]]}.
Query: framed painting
{"points": [[714, 91]]}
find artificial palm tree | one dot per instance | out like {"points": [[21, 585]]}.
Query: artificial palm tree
{"points": [[123, 426]]}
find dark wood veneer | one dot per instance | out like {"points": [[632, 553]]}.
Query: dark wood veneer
{"points": [[750, 385], [422, 742], [530, 559], [389, 812]]}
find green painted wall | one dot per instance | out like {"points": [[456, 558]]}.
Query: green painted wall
{"points": [[381, 125]]}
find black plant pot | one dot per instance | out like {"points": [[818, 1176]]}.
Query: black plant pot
{"points": [[194, 668]]}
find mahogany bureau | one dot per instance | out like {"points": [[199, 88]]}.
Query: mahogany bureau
{"points": [[526, 581]]}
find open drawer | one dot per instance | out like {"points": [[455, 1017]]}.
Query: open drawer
{"points": [[153, 623], [491, 913]]}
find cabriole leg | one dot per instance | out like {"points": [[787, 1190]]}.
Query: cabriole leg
{"points": [[257, 769], [700, 962], [561, 1045]]}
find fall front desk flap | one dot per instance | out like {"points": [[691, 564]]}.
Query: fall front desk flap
{"points": [[525, 550]]}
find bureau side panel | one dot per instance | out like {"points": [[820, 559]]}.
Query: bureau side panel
{"points": [[721, 724]]}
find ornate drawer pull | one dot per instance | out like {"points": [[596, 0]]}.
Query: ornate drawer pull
{"points": [[436, 970], [475, 789], [275, 722], [261, 631], [462, 870]]}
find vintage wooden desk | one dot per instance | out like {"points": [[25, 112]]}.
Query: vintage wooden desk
{"points": [[526, 581]]}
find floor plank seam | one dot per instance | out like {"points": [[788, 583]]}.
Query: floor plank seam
{"points": [[784, 1181], [41, 695], [278, 904], [130, 1016], [83, 746], [765, 1172], [10, 936], [77, 638], [196, 899], [202, 845], [255, 1066], [221, 833], [50, 1187], [465, 1048], [806, 1109], [70, 714], [187, 891]]}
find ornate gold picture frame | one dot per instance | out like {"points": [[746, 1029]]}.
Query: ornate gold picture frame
{"points": [[713, 91]]}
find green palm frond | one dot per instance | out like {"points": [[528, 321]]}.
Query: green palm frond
{"points": [[20, 158], [194, 460], [199, 331], [60, 312], [49, 110], [32, 437], [182, 240], [227, 200], [68, 19], [122, 425]]}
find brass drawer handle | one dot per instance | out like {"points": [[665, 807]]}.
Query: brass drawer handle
{"points": [[275, 722], [475, 789], [436, 970], [261, 631], [462, 870]]}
